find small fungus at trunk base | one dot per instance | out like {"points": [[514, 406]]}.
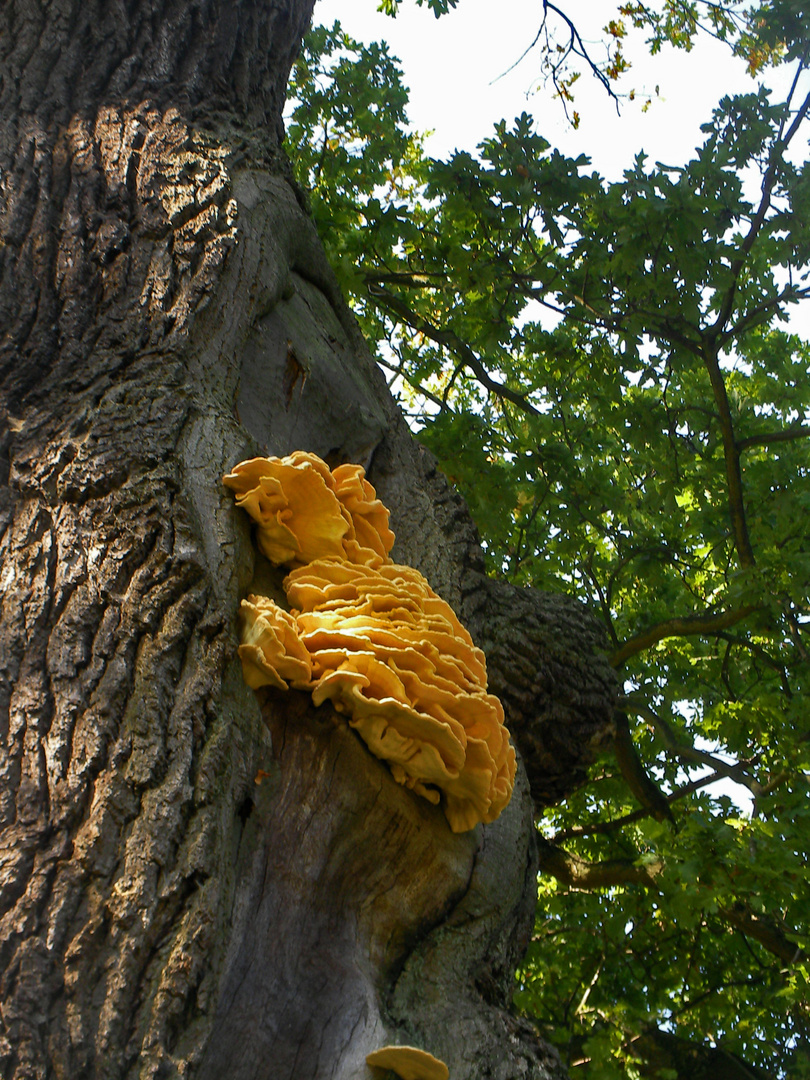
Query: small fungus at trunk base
{"points": [[409, 1063], [370, 636]]}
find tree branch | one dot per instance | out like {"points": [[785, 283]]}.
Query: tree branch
{"points": [[770, 933], [714, 335], [603, 828], [634, 773], [798, 431], [578, 873], [759, 313], [762, 655], [731, 453], [399, 372], [663, 1053], [685, 626], [575, 45], [686, 752], [758, 220], [449, 340]]}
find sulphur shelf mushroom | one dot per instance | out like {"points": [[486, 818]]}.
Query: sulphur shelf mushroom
{"points": [[409, 1063], [370, 636]]}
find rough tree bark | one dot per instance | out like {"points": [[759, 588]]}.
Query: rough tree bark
{"points": [[195, 881]]}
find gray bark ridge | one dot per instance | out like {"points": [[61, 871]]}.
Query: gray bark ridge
{"points": [[165, 311]]}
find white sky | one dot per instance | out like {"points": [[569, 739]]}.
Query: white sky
{"points": [[453, 64]]}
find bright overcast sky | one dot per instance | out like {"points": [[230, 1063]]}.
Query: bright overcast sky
{"points": [[452, 66]]}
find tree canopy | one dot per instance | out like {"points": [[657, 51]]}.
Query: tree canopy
{"points": [[608, 373]]}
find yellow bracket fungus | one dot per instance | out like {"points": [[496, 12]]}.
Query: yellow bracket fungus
{"points": [[409, 1063], [370, 636]]}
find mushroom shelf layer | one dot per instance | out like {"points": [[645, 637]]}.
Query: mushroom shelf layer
{"points": [[370, 636]]}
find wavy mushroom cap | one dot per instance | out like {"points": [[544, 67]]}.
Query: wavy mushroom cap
{"points": [[272, 652], [293, 502], [409, 1063], [304, 511], [369, 516]]}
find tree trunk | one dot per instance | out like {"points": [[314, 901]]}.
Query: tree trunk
{"points": [[196, 880]]}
